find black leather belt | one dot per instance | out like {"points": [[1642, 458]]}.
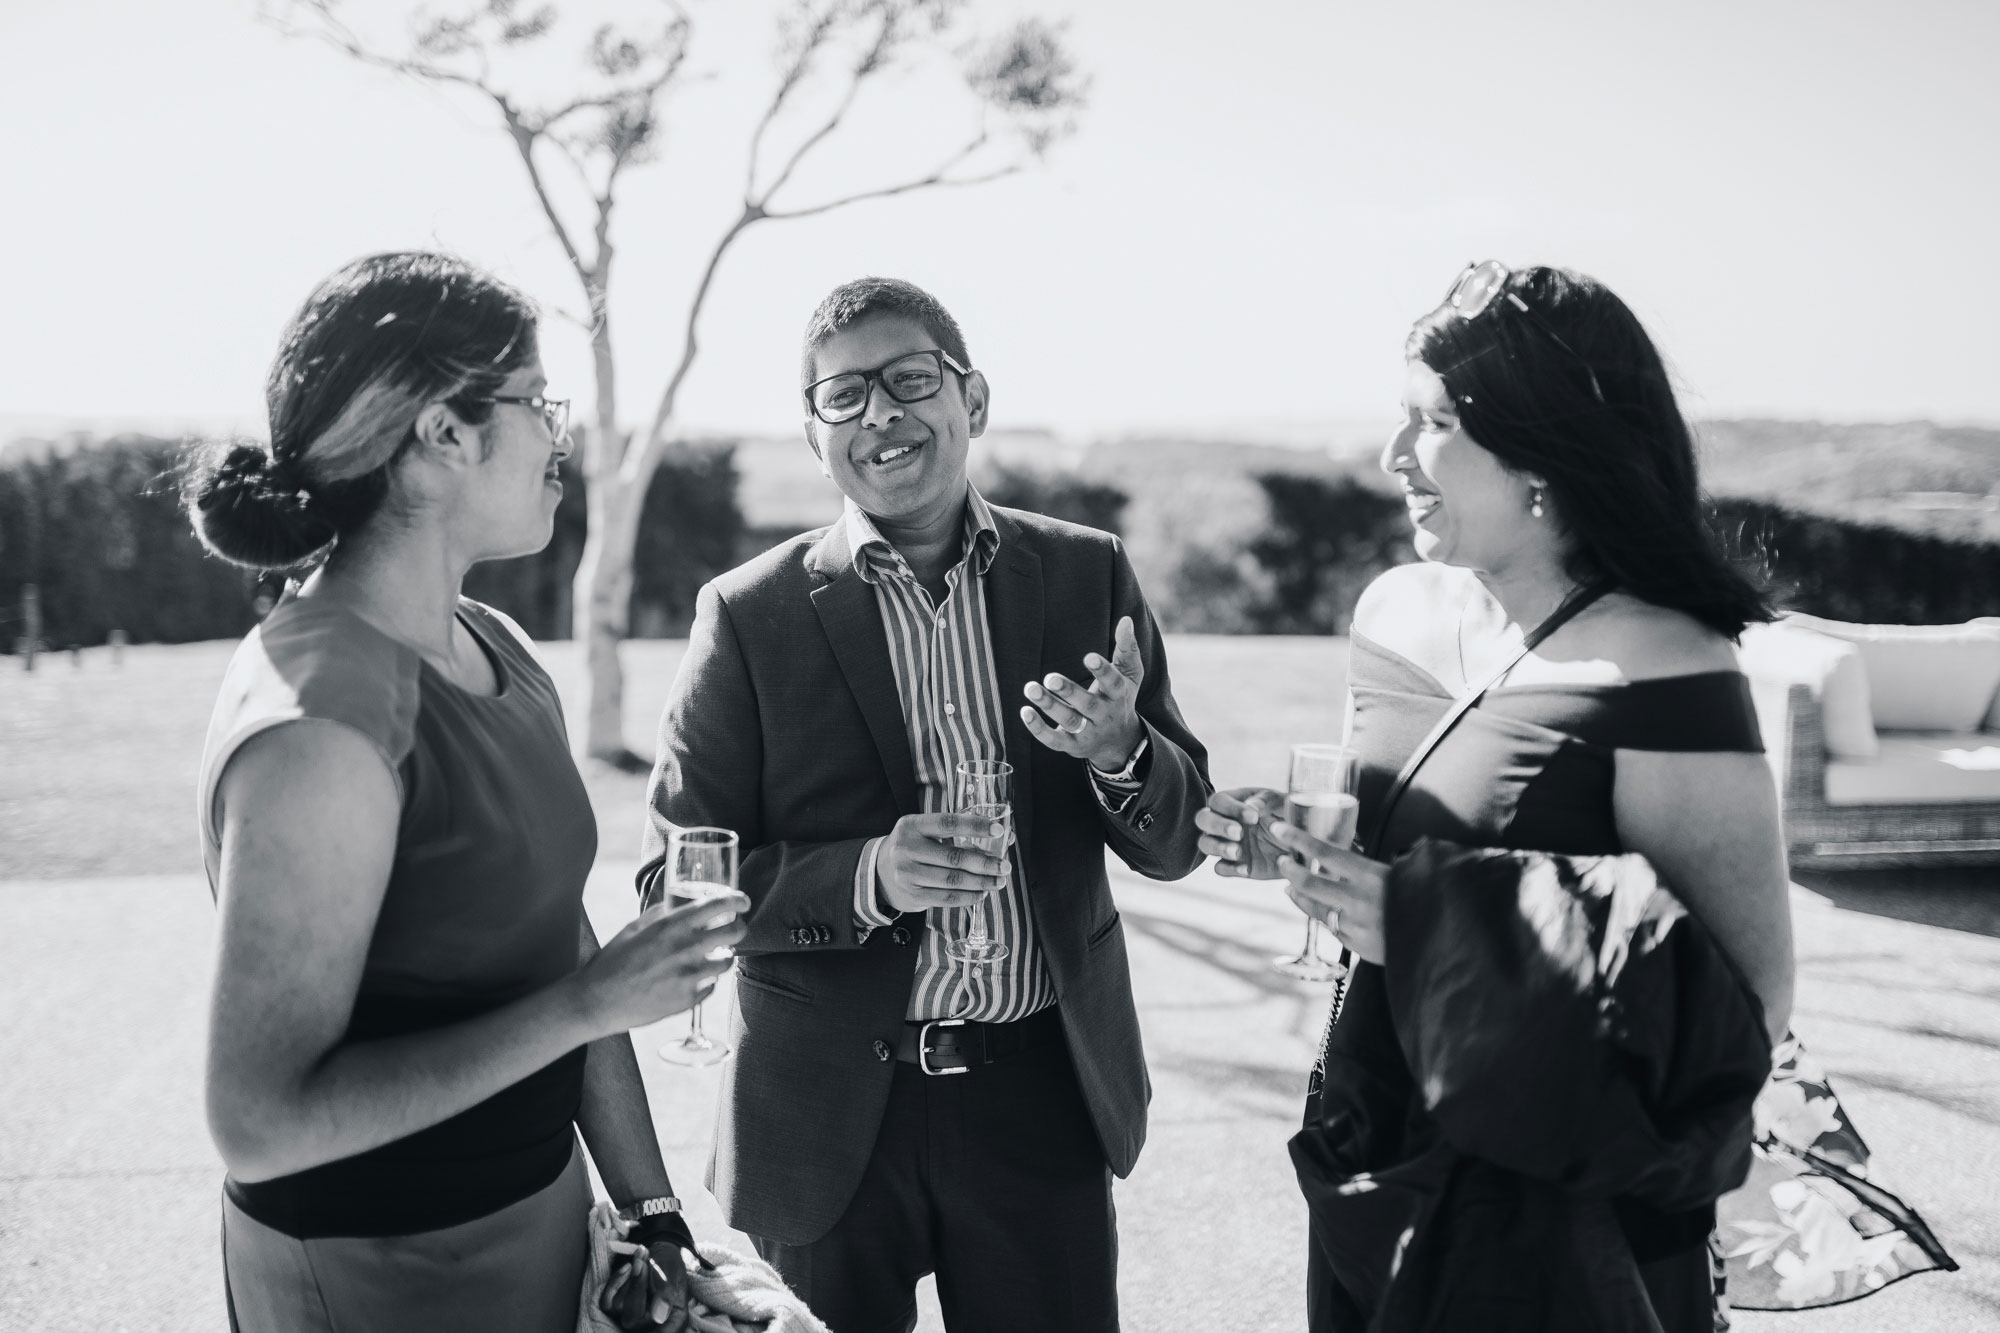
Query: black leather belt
{"points": [[955, 1045]]}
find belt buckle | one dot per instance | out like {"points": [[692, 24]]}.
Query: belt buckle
{"points": [[924, 1047]]}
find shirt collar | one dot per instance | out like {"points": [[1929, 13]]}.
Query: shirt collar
{"points": [[874, 555]]}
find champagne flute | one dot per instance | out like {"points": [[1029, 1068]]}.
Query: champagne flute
{"points": [[701, 864], [983, 792], [1320, 799]]}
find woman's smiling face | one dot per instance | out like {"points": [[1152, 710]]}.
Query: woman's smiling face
{"points": [[1468, 508]]}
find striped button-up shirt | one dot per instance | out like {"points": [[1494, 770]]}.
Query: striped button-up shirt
{"points": [[942, 656]]}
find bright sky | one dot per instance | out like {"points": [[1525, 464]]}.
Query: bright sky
{"points": [[1798, 196]]}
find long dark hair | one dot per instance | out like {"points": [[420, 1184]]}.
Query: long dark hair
{"points": [[370, 348], [1619, 467]]}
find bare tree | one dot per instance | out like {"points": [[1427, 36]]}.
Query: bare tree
{"points": [[1021, 91]]}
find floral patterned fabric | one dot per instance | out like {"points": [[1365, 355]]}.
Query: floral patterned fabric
{"points": [[1808, 1227]]}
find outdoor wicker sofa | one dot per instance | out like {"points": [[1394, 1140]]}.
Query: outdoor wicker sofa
{"points": [[1876, 796]]}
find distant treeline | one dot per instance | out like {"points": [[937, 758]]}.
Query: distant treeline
{"points": [[97, 528]]}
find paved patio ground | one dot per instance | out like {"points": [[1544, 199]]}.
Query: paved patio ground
{"points": [[108, 1184]]}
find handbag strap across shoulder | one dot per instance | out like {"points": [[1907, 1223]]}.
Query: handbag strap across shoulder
{"points": [[1562, 615]]}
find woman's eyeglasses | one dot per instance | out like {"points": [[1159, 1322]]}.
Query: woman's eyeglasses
{"points": [[907, 379], [1480, 285], [555, 411]]}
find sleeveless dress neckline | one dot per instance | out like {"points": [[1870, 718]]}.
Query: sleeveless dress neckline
{"points": [[463, 613]]}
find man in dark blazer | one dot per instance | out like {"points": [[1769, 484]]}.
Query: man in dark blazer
{"points": [[893, 1110]]}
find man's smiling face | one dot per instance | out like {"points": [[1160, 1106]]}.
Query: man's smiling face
{"points": [[900, 462]]}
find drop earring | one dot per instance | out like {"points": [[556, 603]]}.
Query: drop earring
{"points": [[1535, 502]]}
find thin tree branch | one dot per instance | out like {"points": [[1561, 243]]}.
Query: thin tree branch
{"points": [[927, 183], [788, 81], [878, 52], [338, 35], [940, 177], [524, 143], [638, 462]]}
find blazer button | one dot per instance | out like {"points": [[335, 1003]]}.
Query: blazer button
{"points": [[1145, 821], [882, 1051], [798, 936], [900, 935]]}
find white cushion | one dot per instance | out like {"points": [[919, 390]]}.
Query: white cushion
{"points": [[1992, 722], [1785, 654], [1923, 677], [1926, 768]]}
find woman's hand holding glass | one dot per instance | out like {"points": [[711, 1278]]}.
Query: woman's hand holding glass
{"points": [[1340, 888], [664, 962], [1332, 884]]}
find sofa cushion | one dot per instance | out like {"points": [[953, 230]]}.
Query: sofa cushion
{"points": [[1923, 677], [1784, 654], [1923, 768]]}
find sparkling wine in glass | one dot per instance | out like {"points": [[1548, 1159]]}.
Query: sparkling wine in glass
{"points": [[701, 864], [1320, 799], [983, 792]]}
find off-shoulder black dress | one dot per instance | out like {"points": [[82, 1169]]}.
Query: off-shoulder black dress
{"points": [[1529, 767]]}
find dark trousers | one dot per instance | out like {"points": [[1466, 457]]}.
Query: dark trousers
{"points": [[994, 1180]]}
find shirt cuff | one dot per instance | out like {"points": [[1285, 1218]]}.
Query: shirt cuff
{"points": [[867, 915]]}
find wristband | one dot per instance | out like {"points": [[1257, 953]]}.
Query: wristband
{"points": [[664, 1226]]}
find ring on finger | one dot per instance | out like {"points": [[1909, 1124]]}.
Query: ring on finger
{"points": [[1081, 722]]}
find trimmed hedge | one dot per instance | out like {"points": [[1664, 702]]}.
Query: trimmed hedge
{"points": [[1328, 538], [1860, 572], [97, 526], [1062, 495]]}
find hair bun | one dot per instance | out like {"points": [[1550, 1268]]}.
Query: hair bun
{"points": [[250, 508]]}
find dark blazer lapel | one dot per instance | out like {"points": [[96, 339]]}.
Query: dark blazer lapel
{"points": [[1014, 611], [853, 624]]}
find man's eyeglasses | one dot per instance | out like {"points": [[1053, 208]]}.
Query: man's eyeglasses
{"points": [[907, 379], [555, 411], [1480, 285]]}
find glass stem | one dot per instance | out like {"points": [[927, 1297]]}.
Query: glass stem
{"points": [[1312, 940], [695, 1035]]}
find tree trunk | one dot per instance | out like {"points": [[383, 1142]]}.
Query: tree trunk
{"points": [[603, 601], [601, 595]]}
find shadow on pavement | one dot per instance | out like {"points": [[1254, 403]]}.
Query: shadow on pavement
{"points": [[1252, 1085], [1945, 1099], [1961, 898], [1230, 957]]}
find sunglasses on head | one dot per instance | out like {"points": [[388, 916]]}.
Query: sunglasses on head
{"points": [[1481, 285]]}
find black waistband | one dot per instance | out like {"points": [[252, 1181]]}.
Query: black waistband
{"points": [[499, 1152]]}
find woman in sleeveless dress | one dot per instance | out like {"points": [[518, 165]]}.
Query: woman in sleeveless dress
{"points": [[411, 1018], [1545, 464]]}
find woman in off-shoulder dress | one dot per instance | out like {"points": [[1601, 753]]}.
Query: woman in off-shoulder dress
{"points": [[411, 1018], [1550, 477]]}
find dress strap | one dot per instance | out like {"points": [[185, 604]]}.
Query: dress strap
{"points": [[1562, 615]]}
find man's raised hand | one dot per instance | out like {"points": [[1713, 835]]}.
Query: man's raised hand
{"points": [[1099, 723], [920, 865]]}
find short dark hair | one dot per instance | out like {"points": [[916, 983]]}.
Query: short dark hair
{"points": [[1620, 468], [865, 298], [370, 348]]}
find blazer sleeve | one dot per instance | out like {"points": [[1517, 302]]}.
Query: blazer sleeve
{"points": [[709, 771], [1154, 833]]}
